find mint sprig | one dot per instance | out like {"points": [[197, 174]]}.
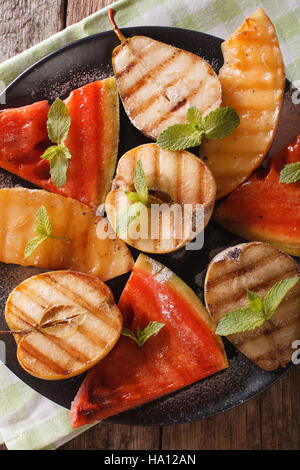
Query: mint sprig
{"points": [[290, 173], [58, 125], [140, 199], [216, 125], [143, 335], [43, 230], [258, 311]]}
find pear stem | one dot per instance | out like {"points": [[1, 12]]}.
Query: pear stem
{"points": [[111, 17]]}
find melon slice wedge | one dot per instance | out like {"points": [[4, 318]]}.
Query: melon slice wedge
{"points": [[252, 80], [90, 245], [92, 141], [184, 351], [264, 209]]}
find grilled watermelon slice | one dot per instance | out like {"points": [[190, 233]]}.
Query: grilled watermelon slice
{"points": [[92, 141], [185, 349], [264, 209]]}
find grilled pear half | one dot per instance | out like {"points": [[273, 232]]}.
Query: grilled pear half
{"points": [[181, 191], [257, 267], [252, 80], [67, 322], [86, 247], [158, 82]]}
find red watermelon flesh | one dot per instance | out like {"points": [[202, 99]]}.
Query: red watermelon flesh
{"points": [[264, 209], [92, 141], [184, 351]]}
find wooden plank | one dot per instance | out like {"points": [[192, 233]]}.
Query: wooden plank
{"points": [[236, 429], [24, 24], [280, 414], [76, 10], [106, 436], [269, 422]]}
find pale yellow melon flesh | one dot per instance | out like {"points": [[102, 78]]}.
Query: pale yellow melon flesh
{"points": [[257, 267], [87, 248], [252, 80], [172, 178]]}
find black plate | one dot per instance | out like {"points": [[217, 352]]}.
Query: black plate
{"points": [[75, 65]]}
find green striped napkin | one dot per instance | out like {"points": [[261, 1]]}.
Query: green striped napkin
{"points": [[28, 420]]}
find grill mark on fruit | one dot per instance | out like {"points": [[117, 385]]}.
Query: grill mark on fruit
{"points": [[125, 70], [78, 300], [74, 353], [239, 295], [93, 338], [59, 341], [151, 74], [168, 114], [40, 357], [247, 268], [178, 105]]}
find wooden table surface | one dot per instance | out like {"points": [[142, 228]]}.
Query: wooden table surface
{"points": [[269, 421]]}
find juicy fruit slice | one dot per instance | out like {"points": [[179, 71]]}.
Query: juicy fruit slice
{"points": [[88, 250], [185, 349], [158, 83], [62, 350], [92, 141], [173, 178], [252, 80], [257, 267], [264, 209]]}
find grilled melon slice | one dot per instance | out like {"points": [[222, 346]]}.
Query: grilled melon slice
{"points": [[264, 209], [88, 249], [184, 351], [69, 319], [158, 83], [252, 80], [182, 195], [92, 140], [256, 266]]}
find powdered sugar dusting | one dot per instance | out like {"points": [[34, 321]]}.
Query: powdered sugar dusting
{"points": [[60, 86]]}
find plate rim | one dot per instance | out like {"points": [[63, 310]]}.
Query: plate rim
{"points": [[146, 30]]}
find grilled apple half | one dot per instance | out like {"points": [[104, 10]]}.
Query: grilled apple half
{"points": [[257, 267], [252, 80], [67, 321], [181, 198], [87, 248], [158, 82]]}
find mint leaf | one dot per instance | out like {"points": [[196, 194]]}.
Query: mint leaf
{"points": [[151, 329], [33, 244], [131, 213], [59, 121], [129, 333], [290, 173], [134, 197], [43, 230], [140, 183], [58, 157], [180, 137], [44, 226], [216, 125], [241, 319], [194, 117], [220, 123], [143, 335], [259, 311], [255, 302], [276, 295]]}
